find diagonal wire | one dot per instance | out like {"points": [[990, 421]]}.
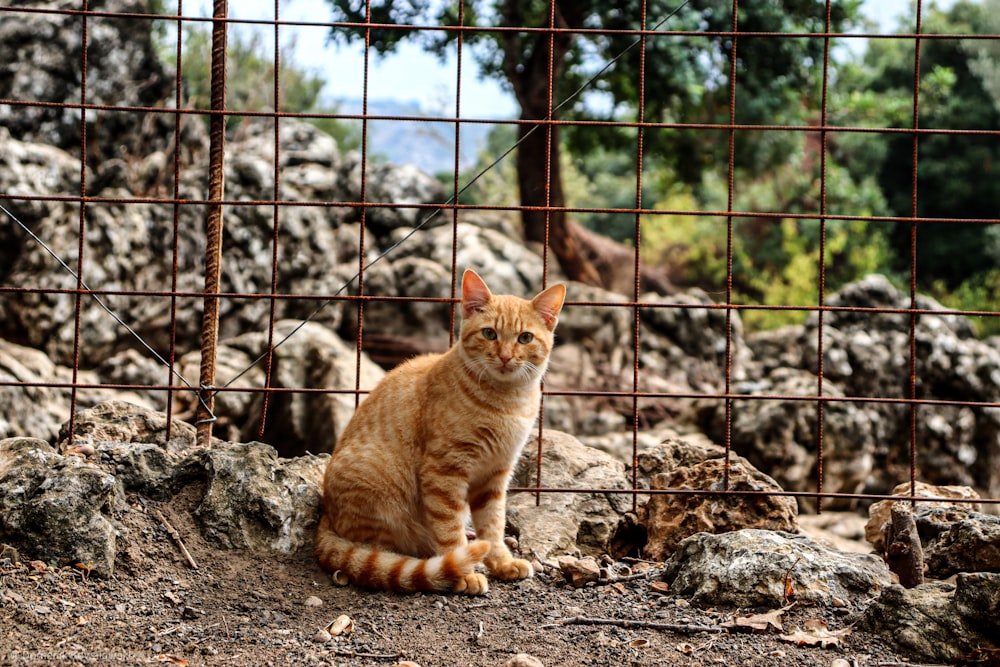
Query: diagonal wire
{"points": [[419, 226], [95, 297], [453, 198]]}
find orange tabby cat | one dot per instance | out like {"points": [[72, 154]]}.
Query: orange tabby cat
{"points": [[435, 444]]}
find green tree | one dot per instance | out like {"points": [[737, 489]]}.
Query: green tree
{"points": [[686, 78], [957, 172]]}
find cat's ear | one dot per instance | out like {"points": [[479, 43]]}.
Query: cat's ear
{"points": [[549, 303], [475, 293]]}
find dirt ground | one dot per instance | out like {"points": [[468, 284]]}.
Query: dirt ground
{"points": [[238, 608]]}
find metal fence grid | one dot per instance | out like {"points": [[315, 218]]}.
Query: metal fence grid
{"points": [[183, 302]]}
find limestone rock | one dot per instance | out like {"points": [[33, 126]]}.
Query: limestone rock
{"points": [[748, 568], [63, 508], [778, 437], [579, 571], [57, 508], [38, 411], [297, 422], [120, 421], [254, 500], [670, 518], [969, 545], [567, 522], [879, 512], [867, 354], [938, 622]]}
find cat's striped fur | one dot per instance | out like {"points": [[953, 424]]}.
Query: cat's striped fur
{"points": [[434, 445]]}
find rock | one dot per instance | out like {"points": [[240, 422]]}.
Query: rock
{"points": [[778, 437], [670, 518], [29, 404], [122, 422], [867, 354], [404, 185], [523, 660], [977, 601], [63, 508], [123, 69], [55, 508], [675, 451], [969, 545], [879, 512], [253, 500], [748, 568], [936, 621], [297, 422], [579, 571], [567, 522]]}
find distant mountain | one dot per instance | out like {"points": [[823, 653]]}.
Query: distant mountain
{"points": [[429, 144]]}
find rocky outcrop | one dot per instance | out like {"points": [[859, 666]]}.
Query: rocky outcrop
{"points": [[307, 356], [60, 508], [866, 445], [749, 568], [670, 518], [566, 522], [70, 508], [954, 537], [939, 622]]}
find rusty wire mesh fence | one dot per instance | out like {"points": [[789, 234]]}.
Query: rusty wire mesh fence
{"points": [[209, 214]]}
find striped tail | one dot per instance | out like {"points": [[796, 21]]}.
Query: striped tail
{"points": [[371, 567]]}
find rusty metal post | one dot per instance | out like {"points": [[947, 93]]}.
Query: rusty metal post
{"points": [[213, 226]]}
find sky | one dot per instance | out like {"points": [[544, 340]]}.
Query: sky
{"points": [[410, 74]]}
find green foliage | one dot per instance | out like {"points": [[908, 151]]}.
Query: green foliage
{"points": [[775, 259], [250, 69], [957, 172], [980, 292]]}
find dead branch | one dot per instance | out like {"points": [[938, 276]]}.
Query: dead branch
{"points": [[177, 538], [347, 653], [680, 628], [904, 554]]}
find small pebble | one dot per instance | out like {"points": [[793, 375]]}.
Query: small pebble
{"points": [[313, 601], [524, 660], [322, 636]]}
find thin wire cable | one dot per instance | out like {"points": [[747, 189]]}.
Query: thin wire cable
{"points": [[84, 287], [453, 198]]}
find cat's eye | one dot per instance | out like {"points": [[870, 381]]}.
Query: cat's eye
{"points": [[489, 334], [525, 337]]}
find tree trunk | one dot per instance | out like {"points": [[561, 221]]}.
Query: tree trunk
{"points": [[527, 67], [540, 181]]}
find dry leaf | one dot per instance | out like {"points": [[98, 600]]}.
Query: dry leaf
{"points": [[172, 660], [759, 622], [639, 643], [659, 587], [685, 648], [815, 632], [342, 625]]}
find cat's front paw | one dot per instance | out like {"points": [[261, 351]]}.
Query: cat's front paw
{"points": [[510, 569], [472, 584]]}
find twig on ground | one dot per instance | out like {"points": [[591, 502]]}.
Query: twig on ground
{"points": [[177, 538], [681, 628], [348, 653], [633, 559]]}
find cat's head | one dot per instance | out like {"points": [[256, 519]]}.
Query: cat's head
{"points": [[504, 338]]}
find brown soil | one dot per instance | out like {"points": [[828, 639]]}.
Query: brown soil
{"points": [[238, 608]]}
